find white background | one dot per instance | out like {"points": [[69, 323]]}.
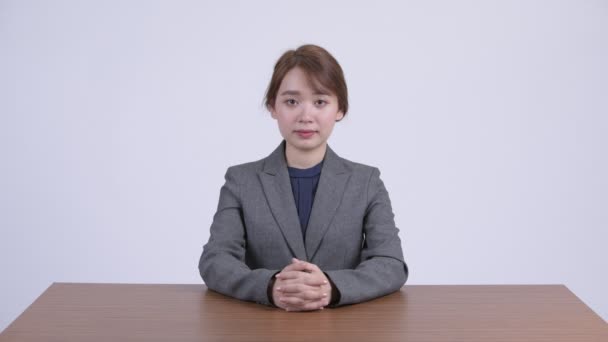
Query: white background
{"points": [[118, 119]]}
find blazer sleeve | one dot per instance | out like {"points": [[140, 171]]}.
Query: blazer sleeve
{"points": [[382, 269], [222, 263]]}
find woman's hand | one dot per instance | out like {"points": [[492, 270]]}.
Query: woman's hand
{"points": [[301, 286]]}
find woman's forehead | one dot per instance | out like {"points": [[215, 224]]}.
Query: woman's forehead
{"points": [[297, 80]]}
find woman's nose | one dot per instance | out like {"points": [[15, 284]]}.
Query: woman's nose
{"points": [[306, 114]]}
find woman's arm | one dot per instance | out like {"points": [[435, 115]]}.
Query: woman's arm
{"points": [[382, 269], [222, 264]]}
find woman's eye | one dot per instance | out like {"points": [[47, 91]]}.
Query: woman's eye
{"points": [[320, 102]]}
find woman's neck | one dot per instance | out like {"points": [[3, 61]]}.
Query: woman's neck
{"points": [[304, 159]]}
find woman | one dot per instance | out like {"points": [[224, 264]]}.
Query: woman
{"points": [[303, 228]]}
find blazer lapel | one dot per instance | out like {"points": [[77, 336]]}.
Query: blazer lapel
{"points": [[277, 188], [332, 183]]}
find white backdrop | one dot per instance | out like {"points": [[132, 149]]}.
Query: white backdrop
{"points": [[118, 120]]}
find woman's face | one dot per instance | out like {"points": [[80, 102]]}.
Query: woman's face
{"points": [[306, 117]]}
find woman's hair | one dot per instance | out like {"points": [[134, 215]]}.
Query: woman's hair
{"points": [[323, 71]]}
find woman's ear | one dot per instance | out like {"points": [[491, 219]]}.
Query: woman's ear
{"points": [[270, 108], [339, 115]]}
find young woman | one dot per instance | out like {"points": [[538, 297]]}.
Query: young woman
{"points": [[303, 228]]}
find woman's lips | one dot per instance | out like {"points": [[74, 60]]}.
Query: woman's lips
{"points": [[305, 133]]}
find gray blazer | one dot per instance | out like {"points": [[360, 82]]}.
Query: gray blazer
{"points": [[351, 233]]}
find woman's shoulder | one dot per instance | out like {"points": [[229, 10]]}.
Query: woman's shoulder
{"points": [[275, 159], [357, 165], [354, 166], [247, 168], [360, 169]]}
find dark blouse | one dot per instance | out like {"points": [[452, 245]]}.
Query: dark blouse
{"points": [[304, 186]]}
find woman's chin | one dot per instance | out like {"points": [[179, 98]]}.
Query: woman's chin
{"points": [[308, 144]]}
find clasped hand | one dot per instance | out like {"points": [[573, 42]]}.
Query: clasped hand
{"points": [[301, 286]]}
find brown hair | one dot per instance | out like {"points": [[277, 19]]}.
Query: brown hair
{"points": [[324, 73]]}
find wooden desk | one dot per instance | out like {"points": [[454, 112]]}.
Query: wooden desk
{"points": [[120, 312]]}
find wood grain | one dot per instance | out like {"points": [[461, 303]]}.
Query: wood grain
{"points": [[129, 312]]}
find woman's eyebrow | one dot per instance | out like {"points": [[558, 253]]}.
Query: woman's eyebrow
{"points": [[296, 92], [290, 92]]}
